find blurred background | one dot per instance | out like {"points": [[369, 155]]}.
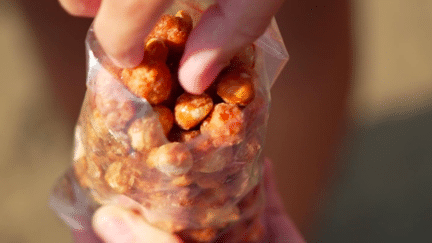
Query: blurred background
{"points": [[350, 129]]}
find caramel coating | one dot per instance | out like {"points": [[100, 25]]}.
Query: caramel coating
{"points": [[93, 143], [178, 199], [221, 216], [151, 80], [156, 50], [108, 98], [191, 109], [174, 30], [115, 113], [236, 88], [171, 226], [211, 198], [244, 59], [111, 109], [118, 178], [171, 159], [93, 169], [180, 135], [89, 172], [249, 150], [186, 19], [225, 125], [183, 180], [98, 124], [117, 147], [186, 136], [148, 182], [100, 141], [201, 235], [166, 117], [213, 160], [146, 133], [201, 147]]}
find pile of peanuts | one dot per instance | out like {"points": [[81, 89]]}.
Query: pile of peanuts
{"points": [[191, 160]]}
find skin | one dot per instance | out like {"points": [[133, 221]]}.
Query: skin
{"points": [[120, 27], [315, 84]]}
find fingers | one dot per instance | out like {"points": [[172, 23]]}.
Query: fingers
{"points": [[83, 232], [115, 224], [86, 235], [279, 227], [121, 27], [223, 29], [273, 199], [82, 8]]}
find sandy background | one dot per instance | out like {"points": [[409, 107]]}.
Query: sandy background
{"points": [[373, 185]]}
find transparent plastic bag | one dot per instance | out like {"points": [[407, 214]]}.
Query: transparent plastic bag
{"points": [[202, 185]]}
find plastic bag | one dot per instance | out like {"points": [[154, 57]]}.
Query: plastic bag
{"points": [[197, 180]]}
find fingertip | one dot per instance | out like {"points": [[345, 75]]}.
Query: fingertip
{"points": [[80, 8], [117, 224], [198, 71], [111, 225], [122, 52]]}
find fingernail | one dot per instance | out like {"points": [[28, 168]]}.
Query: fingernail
{"points": [[113, 226], [199, 71]]}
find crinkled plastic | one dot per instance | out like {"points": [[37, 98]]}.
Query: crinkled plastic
{"points": [[215, 197]]}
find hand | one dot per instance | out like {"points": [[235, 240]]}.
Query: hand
{"points": [[120, 27], [121, 224], [279, 227]]}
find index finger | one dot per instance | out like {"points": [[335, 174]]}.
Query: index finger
{"points": [[121, 27], [222, 31]]}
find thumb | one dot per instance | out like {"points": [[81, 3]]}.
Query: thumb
{"points": [[115, 224], [223, 30], [280, 228], [273, 198]]}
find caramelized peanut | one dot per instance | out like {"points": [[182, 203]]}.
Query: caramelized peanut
{"points": [[146, 133], [151, 80], [171, 159], [174, 30], [236, 88], [225, 125], [117, 179], [156, 50], [244, 59], [191, 109], [166, 118]]}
